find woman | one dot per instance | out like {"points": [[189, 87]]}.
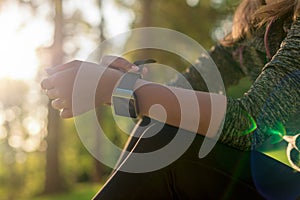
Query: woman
{"points": [[265, 45]]}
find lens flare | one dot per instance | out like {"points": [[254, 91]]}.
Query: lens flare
{"points": [[277, 133], [252, 126]]}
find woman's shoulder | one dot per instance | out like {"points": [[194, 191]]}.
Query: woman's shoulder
{"points": [[294, 28]]}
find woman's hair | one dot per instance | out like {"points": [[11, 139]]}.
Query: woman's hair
{"points": [[251, 14]]}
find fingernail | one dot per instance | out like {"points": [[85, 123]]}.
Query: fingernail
{"points": [[145, 70], [135, 68], [49, 70]]}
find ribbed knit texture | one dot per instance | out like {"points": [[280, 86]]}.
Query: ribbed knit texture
{"points": [[274, 96]]}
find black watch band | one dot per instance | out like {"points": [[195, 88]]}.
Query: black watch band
{"points": [[123, 98]]}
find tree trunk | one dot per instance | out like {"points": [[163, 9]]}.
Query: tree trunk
{"points": [[146, 21], [146, 13], [98, 166], [54, 181]]}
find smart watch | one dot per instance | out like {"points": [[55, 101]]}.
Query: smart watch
{"points": [[123, 97]]}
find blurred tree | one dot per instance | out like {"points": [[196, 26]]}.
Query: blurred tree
{"points": [[70, 30], [22, 128], [53, 178], [54, 181], [98, 166], [205, 21], [11, 134], [22, 132]]}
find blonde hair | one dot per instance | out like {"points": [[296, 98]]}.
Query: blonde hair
{"points": [[251, 14]]}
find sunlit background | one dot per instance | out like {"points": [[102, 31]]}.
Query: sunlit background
{"points": [[24, 30], [38, 34]]}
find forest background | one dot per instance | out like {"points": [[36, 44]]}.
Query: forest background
{"points": [[41, 155]]}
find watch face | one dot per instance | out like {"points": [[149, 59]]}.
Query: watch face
{"points": [[123, 97], [125, 106]]}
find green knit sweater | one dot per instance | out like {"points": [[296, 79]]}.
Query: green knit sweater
{"points": [[274, 97]]}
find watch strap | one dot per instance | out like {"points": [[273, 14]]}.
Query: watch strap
{"points": [[123, 98]]}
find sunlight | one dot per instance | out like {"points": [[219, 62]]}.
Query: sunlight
{"points": [[2, 117], [31, 144], [33, 125], [3, 132], [20, 36], [22, 33], [15, 141]]}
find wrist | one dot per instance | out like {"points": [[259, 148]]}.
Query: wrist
{"points": [[106, 85], [124, 98]]}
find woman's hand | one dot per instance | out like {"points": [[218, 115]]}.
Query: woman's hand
{"points": [[123, 65], [118, 63], [61, 80], [114, 62]]}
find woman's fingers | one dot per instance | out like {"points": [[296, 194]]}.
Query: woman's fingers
{"points": [[60, 84], [66, 113], [58, 68], [117, 63], [47, 84], [122, 64], [53, 93], [59, 104]]}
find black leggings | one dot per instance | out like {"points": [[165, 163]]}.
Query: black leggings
{"points": [[225, 173]]}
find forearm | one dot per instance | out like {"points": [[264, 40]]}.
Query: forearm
{"points": [[183, 108]]}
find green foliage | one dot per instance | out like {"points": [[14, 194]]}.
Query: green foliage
{"points": [[200, 22], [74, 157], [78, 192], [25, 178], [238, 90], [21, 140]]}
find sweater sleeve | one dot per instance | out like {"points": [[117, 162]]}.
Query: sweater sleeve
{"points": [[228, 67], [273, 98]]}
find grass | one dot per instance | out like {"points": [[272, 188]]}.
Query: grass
{"points": [[79, 192]]}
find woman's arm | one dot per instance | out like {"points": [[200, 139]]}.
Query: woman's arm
{"points": [[273, 98], [184, 108]]}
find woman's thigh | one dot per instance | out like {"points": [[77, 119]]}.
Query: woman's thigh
{"points": [[136, 186], [225, 171], [181, 180], [193, 180]]}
